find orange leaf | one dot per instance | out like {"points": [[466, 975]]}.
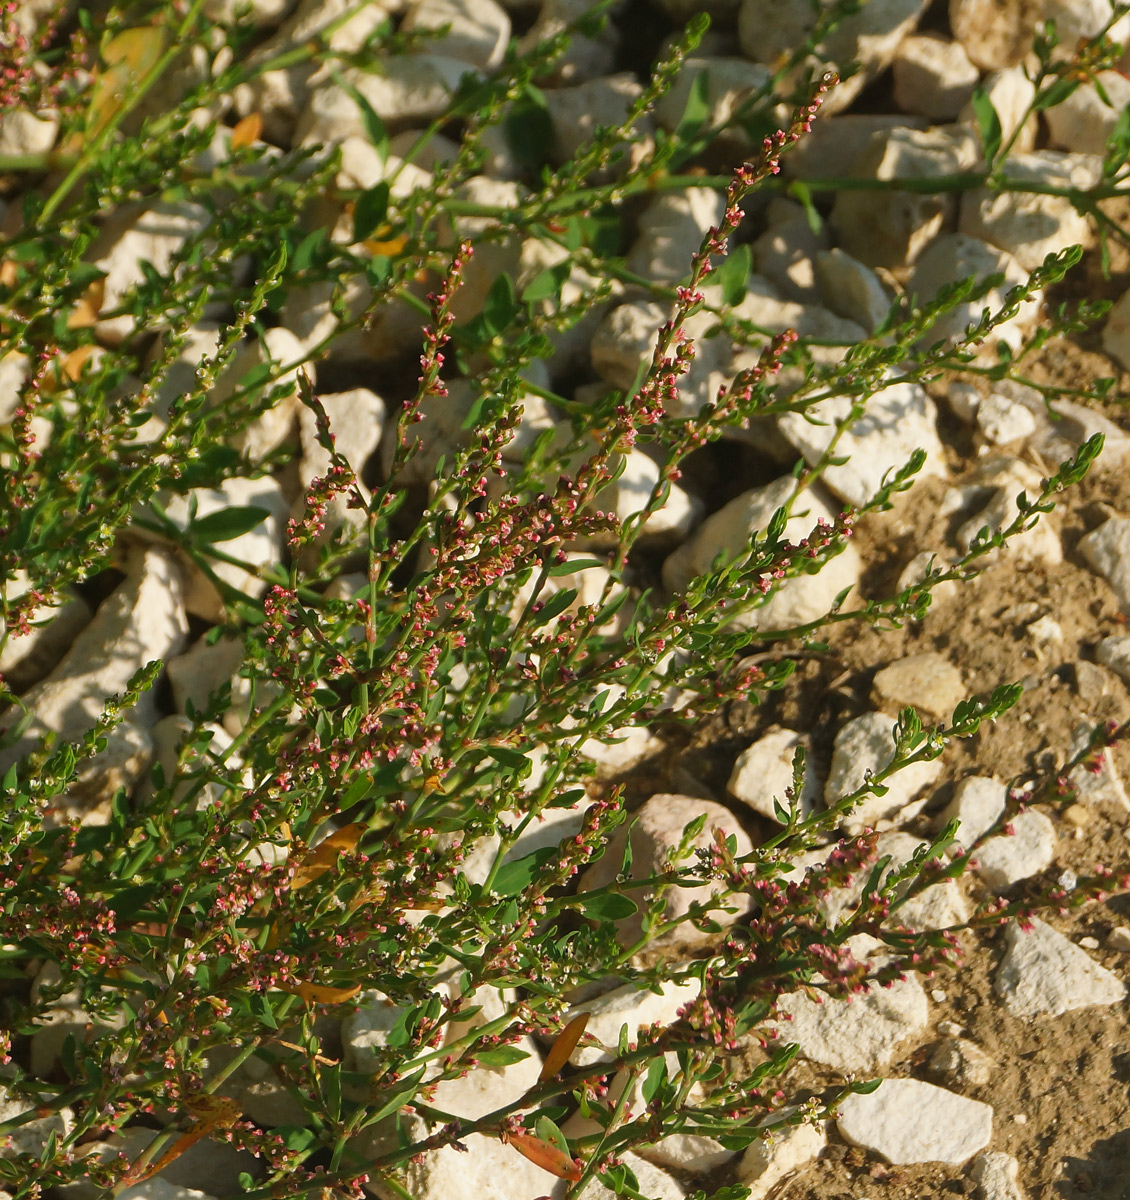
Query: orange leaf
{"points": [[74, 360], [320, 993], [325, 854], [128, 57], [85, 312], [563, 1046], [9, 273], [247, 131], [548, 1157]]}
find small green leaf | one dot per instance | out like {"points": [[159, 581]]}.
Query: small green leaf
{"points": [[733, 275], [988, 124], [515, 877], [502, 1056], [697, 109], [369, 211], [374, 126], [228, 523], [607, 906], [500, 307], [546, 285]]}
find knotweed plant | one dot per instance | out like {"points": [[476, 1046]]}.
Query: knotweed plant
{"points": [[445, 641]]}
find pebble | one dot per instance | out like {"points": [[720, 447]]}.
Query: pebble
{"points": [[906, 1121], [865, 744], [997, 1176], [961, 1063], [626, 1005], [851, 289], [1011, 93], [764, 771], [1005, 860], [978, 803], [1044, 974], [1114, 652], [656, 831], [1096, 782], [1002, 420], [475, 31], [926, 681], [933, 77], [860, 1036], [1119, 939], [778, 1154], [1116, 331], [899, 419], [727, 532], [993, 35], [1084, 121]]}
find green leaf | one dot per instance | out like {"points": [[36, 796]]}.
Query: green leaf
{"points": [[572, 565], [514, 759], [548, 1132], [988, 124], [500, 307], [502, 1056], [546, 285], [515, 877], [733, 274], [529, 130], [555, 605], [607, 906], [374, 127], [228, 523], [697, 109], [369, 211]]}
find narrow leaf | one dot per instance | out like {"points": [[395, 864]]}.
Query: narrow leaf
{"points": [[563, 1046], [548, 1157]]}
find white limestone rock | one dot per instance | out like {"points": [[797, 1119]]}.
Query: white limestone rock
{"points": [[779, 1153], [1114, 652], [356, 419], [1005, 860], [131, 236], [477, 32], [31, 1137], [786, 252], [889, 228], [997, 1177], [992, 491], [1011, 93], [1107, 552], [492, 257], [906, 1121], [836, 143], [933, 77], [770, 31], [961, 1063], [927, 681], [1043, 974], [1077, 20], [851, 289], [864, 745], [671, 230], [1084, 121], [585, 57], [897, 420], [655, 832], [259, 13], [1030, 225], [260, 547], [955, 256], [161, 1189], [1097, 781], [940, 906], [627, 1005], [26, 658], [577, 111], [654, 1183], [279, 349], [1116, 331], [994, 35], [764, 771], [727, 533], [1003, 421], [859, 1036], [25, 132], [626, 337], [978, 803], [142, 620], [730, 83], [410, 88], [689, 1152]]}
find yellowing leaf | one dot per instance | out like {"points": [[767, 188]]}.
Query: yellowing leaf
{"points": [[325, 854], [320, 993], [247, 131], [9, 273], [563, 1046], [389, 248], [543, 1155], [128, 57], [85, 312], [213, 1110]]}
